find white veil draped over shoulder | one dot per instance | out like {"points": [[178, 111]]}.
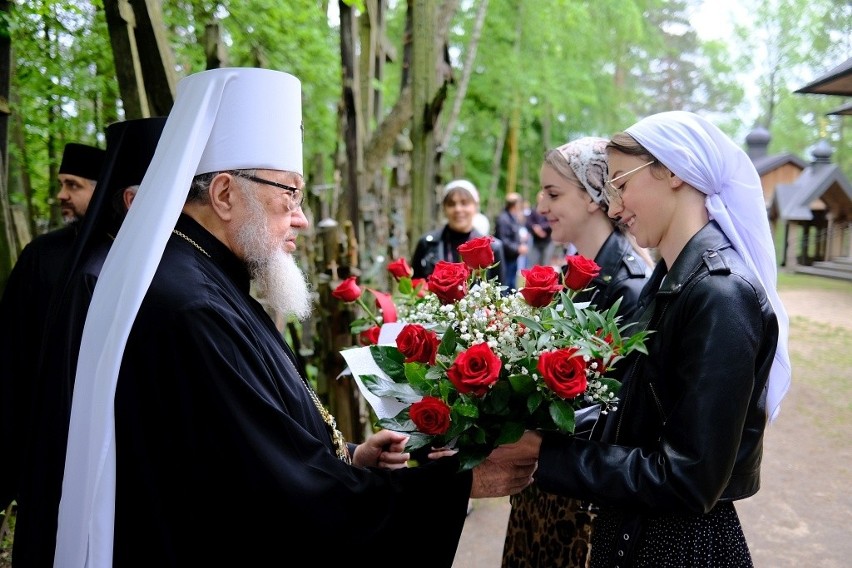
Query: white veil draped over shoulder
{"points": [[703, 156], [229, 118]]}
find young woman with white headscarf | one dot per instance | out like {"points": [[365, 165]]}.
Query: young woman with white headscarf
{"points": [[687, 438]]}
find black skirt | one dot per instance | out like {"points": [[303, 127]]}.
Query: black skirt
{"points": [[714, 540]]}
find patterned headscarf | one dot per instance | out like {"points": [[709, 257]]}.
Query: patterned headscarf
{"points": [[587, 158], [699, 153]]}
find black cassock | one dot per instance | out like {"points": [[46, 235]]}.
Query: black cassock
{"points": [[23, 312], [222, 456]]}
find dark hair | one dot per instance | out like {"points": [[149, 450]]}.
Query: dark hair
{"points": [[626, 144]]}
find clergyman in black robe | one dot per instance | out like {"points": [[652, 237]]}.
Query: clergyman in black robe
{"points": [[216, 451], [23, 308]]}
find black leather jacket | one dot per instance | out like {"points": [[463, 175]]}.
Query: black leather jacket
{"points": [[623, 275], [689, 430], [435, 246]]}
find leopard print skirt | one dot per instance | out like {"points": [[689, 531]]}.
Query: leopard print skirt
{"points": [[547, 531]]}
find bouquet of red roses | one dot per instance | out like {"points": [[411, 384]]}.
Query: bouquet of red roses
{"points": [[473, 367]]}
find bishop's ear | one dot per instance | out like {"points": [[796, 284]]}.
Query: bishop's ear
{"points": [[222, 192]]}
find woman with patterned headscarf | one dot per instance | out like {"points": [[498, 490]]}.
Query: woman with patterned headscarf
{"points": [[686, 441], [546, 529]]}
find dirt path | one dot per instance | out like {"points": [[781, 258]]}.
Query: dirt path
{"points": [[802, 514]]}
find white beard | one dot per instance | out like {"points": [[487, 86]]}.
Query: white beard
{"points": [[275, 272]]}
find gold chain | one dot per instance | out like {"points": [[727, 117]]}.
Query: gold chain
{"points": [[337, 438], [190, 241]]}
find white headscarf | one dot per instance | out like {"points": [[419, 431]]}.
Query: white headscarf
{"points": [[222, 119], [704, 157]]}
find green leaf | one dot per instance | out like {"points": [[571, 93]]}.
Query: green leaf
{"points": [[399, 423], [417, 440], [466, 409], [471, 457], [390, 360], [447, 347], [522, 384], [529, 323], [563, 415], [415, 374], [510, 432], [380, 386], [534, 400]]}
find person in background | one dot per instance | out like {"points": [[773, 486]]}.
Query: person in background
{"points": [[187, 399], [546, 529], [78, 174], [23, 306], [460, 201], [507, 228], [540, 251], [686, 440], [130, 147]]}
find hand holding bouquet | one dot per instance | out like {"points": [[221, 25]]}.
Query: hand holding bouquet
{"points": [[474, 367]]}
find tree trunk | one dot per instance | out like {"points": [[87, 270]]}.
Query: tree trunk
{"points": [[424, 86], [351, 105], [7, 234], [469, 60]]}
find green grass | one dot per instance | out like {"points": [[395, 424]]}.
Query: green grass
{"points": [[789, 281]]}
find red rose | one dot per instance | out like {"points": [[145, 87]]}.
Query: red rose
{"points": [[564, 371], [579, 271], [347, 291], [475, 370], [431, 415], [370, 336], [418, 344], [449, 281], [477, 253], [399, 268], [419, 285], [541, 283]]}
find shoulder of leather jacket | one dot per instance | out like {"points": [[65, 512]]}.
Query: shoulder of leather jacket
{"points": [[635, 267], [715, 262]]}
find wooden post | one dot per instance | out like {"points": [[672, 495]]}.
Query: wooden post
{"points": [[121, 23], [144, 64], [155, 56]]}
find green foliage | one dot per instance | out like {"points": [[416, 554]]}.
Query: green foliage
{"points": [[561, 69]]}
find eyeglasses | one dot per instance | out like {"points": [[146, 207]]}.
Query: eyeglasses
{"points": [[613, 192], [296, 195]]}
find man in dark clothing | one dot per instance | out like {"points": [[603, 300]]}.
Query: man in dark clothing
{"points": [[23, 307], [130, 147], [187, 399], [507, 228], [540, 250]]}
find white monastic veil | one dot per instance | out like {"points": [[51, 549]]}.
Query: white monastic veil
{"points": [[222, 119], [702, 155]]}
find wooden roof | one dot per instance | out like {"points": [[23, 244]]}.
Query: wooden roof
{"points": [[838, 81]]}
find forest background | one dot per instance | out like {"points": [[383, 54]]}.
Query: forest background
{"points": [[400, 97]]}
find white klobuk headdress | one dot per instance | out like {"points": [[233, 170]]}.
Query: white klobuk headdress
{"points": [[699, 153], [223, 119]]}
